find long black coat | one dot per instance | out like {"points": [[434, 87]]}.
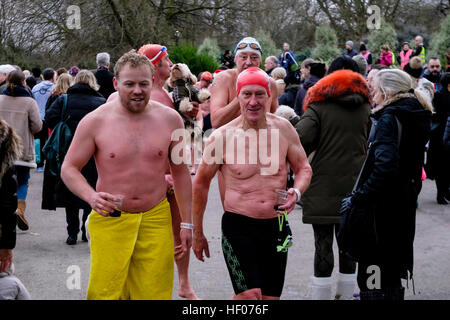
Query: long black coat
{"points": [[301, 93], [105, 81], [10, 150], [447, 137], [8, 206], [288, 97], [437, 165], [391, 181], [81, 99]]}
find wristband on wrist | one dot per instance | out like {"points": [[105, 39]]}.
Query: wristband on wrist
{"points": [[298, 193], [185, 225]]}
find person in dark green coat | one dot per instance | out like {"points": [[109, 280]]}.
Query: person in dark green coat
{"points": [[335, 127]]}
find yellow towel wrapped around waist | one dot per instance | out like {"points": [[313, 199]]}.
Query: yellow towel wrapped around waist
{"points": [[132, 256]]}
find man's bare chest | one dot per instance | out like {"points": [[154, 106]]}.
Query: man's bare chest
{"points": [[131, 144]]}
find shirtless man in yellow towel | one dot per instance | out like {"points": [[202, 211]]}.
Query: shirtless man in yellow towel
{"points": [[132, 253]]}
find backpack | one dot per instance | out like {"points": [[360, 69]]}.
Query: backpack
{"points": [[58, 143]]}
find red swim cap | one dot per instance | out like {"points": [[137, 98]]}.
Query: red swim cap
{"points": [[207, 76], [251, 76], [154, 52]]}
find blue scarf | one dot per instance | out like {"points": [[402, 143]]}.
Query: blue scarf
{"points": [[19, 91]]}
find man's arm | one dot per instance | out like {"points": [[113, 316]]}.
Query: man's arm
{"points": [[417, 51], [182, 184], [273, 95], [222, 111], [298, 161], [81, 149], [202, 181]]}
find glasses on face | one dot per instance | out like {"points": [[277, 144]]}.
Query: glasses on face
{"points": [[253, 45]]}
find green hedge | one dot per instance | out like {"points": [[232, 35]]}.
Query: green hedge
{"points": [[196, 62]]}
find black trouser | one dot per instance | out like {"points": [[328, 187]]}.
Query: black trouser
{"points": [[323, 257], [442, 185], [73, 221]]}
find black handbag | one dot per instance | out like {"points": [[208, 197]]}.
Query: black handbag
{"points": [[357, 233]]}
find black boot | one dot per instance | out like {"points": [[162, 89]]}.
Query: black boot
{"points": [[372, 295], [71, 240]]}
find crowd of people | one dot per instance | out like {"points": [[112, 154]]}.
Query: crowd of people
{"points": [[141, 211]]}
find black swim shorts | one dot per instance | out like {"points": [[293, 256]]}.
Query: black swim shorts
{"points": [[249, 247]]}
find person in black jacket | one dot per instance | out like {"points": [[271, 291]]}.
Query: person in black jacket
{"points": [[437, 166], [447, 139], [103, 75], [63, 83], [388, 189], [313, 71], [82, 98], [292, 81], [10, 150]]}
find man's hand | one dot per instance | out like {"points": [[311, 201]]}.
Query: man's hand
{"points": [[199, 245], [169, 180], [103, 203], [186, 242], [6, 258], [290, 202]]}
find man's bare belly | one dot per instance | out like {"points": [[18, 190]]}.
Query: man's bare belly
{"points": [[255, 196], [141, 191]]}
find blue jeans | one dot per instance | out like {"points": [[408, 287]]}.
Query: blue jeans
{"points": [[23, 176]]}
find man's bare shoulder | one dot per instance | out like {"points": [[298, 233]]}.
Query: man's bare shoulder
{"points": [[162, 96], [277, 122], [226, 77], [165, 112]]}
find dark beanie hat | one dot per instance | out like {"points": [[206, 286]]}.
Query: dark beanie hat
{"points": [[343, 62], [362, 47], [317, 69]]}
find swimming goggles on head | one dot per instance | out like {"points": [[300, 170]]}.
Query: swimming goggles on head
{"points": [[244, 45]]}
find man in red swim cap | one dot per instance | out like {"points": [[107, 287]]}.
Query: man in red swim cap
{"points": [[159, 57], [255, 236]]}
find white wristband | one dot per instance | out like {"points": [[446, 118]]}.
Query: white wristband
{"points": [[185, 225], [298, 193]]}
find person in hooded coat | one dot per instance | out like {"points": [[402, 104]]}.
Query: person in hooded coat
{"points": [[335, 126]]}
